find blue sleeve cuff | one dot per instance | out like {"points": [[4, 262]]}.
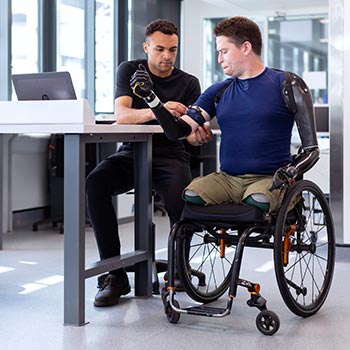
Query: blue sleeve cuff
{"points": [[195, 113]]}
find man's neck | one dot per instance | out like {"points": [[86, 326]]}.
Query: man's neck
{"points": [[254, 68]]}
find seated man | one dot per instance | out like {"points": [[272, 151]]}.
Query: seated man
{"points": [[170, 165], [255, 108]]}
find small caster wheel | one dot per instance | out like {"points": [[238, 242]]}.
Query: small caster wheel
{"points": [[267, 322], [172, 316], [35, 228]]}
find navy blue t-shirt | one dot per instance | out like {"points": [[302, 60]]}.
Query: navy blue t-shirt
{"points": [[256, 126]]}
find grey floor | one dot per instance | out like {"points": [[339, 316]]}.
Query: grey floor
{"points": [[31, 305]]}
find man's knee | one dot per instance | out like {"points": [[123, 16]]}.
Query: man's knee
{"points": [[90, 182], [192, 197], [259, 200], [96, 184]]}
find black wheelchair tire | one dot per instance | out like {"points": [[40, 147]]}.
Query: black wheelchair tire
{"points": [[296, 297]]}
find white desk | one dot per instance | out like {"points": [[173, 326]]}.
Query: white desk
{"points": [[75, 120]]}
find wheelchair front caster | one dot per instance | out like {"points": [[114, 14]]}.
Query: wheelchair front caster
{"points": [[267, 322], [172, 315]]}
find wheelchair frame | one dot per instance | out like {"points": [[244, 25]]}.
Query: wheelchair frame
{"points": [[301, 234]]}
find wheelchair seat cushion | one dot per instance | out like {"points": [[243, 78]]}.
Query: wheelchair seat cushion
{"points": [[227, 213]]}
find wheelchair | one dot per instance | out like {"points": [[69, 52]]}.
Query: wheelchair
{"points": [[208, 243]]}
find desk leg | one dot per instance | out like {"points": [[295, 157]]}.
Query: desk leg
{"points": [[2, 184], [143, 215], [74, 230], [5, 185]]}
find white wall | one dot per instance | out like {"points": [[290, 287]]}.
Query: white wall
{"points": [[346, 104], [339, 112]]}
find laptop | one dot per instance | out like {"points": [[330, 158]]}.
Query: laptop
{"points": [[44, 86]]}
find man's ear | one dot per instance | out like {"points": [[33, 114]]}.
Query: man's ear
{"points": [[247, 47], [145, 47]]}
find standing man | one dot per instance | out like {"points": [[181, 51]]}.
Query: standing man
{"points": [[170, 166], [255, 108]]}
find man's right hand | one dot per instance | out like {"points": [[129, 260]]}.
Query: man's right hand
{"points": [[141, 83]]}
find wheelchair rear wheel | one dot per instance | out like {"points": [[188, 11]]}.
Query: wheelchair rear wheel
{"points": [[204, 266], [304, 249]]}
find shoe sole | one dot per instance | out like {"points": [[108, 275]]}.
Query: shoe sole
{"points": [[124, 291]]}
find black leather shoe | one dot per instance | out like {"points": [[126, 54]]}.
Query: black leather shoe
{"points": [[111, 288]]}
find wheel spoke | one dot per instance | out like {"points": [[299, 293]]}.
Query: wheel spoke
{"points": [[203, 253]]}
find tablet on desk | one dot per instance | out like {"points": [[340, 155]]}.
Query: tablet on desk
{"points": [[44, 86]]}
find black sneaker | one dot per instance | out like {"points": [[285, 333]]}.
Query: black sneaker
{"points": [[111, 288]]}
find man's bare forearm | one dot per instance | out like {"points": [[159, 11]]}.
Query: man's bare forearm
{"points": [[126, 115]]}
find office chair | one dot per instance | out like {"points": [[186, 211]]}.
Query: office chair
{"points": [[56, 179]]}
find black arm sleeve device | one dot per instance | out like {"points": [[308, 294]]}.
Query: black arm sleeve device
{"points": [[174, 128], [298, 99]]}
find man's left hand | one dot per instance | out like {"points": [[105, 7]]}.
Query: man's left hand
{"points": [[202, 135]]}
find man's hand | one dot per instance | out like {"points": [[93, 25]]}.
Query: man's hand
{"points": [[202, 135], [141, 83], [176, 108]]}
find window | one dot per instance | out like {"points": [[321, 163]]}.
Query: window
{"points": [[300, 45], [71, 41], [24, 37], [84, 38], [213, 72], [104, 46]]}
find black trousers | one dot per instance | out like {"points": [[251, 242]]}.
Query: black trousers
{"points": [[115, 175]]}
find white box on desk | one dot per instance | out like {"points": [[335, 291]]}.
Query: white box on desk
{"points": [[46, 112]]}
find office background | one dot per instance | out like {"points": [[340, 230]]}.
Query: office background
{"points": [[90, 38]]}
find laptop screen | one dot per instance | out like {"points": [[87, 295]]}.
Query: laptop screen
{"points": [[44, 86]]}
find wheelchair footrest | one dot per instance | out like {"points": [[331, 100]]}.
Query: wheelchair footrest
{"points": [[206, 311]]}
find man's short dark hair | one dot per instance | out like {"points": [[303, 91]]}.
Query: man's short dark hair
{"points": [[240, 29], [161, 25]]}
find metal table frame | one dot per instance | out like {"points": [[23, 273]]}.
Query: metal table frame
{"points": [[75, 271], [75, 119]]}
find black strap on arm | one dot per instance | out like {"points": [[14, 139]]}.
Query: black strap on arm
{"points": [[222, 90]]}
